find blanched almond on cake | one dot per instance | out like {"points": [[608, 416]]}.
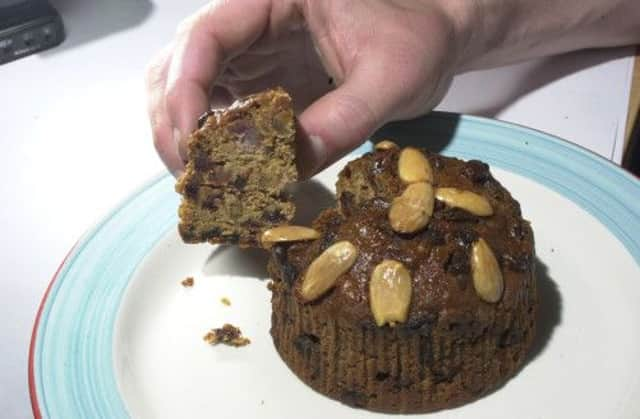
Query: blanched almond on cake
{"points": [[413, 166], [386, 145], [487, 277], [390, 292], [327, 268], [412, 210], [287, 233], [469, 201]]}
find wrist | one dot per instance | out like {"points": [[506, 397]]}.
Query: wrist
{"points": [[498, 32]]}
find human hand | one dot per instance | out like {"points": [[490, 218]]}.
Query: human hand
{"points": [[350, 66]]}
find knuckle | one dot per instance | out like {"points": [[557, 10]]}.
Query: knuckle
{"points": [[185, 25], [153, 73], [203, 15], [172, 96], [156, 70]]}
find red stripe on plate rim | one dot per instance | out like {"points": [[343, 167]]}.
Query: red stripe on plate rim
{"points": [[32, 383]]}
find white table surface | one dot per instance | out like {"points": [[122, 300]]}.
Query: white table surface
{"points": [[75, 139]]}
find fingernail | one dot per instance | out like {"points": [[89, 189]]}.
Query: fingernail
{"points": [[318, 155], [180, 144], [176, 135], [178, 173]]}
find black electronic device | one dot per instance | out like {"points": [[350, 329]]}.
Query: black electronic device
{"points": [[26, 27]]}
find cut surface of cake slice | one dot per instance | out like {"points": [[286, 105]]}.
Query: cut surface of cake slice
{"points": [[239, 161]]}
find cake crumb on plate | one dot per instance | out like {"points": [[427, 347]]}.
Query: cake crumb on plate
{"points": [[187, 282], [228, 334], [225, 301]]}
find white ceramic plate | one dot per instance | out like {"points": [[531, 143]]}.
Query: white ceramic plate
{"points": [[118, 336]]}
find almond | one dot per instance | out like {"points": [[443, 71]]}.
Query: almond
{"points": [[412, 210], [386, 145], [413, 166], [325, 270], [487, 277], [469, 201], [287, 233], [390, 293]]}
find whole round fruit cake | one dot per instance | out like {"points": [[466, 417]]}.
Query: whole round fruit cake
{"points": [[416, 293]]}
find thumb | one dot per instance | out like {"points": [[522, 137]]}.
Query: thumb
{"points": [[341, 120]]}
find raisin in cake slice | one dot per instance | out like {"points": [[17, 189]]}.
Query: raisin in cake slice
{"points": [[239, 162]]}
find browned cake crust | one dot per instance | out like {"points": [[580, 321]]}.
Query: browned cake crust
{"points": [[453, 346], [239, 161]]}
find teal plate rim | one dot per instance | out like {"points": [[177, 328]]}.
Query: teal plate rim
{"points": [[70, 367]]}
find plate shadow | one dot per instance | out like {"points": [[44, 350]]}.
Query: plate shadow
{"points": [[232, 260], [411, 132], [549, 314], [548, 317], [310, 198]]}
